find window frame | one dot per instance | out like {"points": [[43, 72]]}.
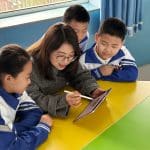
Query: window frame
{"points": [[40, 8]]}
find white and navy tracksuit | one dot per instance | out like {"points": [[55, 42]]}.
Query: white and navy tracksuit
{"points": [[19, 122], [83, 43], [123, 59]]}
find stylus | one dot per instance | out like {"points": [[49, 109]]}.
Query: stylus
{"points": [[83, 96]]}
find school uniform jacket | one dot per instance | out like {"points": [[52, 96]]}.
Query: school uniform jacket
{"points": [[48, 94], [83, 43], [123, 59], [19, 127]]}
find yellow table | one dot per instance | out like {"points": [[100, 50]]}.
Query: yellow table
{"points": [[67, 135]]}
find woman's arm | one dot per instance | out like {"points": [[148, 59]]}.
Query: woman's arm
{"points": [[83, 81], [54, 105]]}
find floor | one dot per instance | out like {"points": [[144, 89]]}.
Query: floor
{"points": [[144, 73]]}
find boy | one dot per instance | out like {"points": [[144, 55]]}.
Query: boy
{"points": [[78, 18], [22, 125], [108, 59]]}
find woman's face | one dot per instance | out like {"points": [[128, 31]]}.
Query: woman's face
{"points": [[62, 56]]}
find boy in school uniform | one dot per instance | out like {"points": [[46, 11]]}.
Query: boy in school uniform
{"points": [[78, 18], [22, 125], [108, 58]]}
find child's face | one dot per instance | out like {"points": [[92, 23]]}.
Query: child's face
{"points": [[62, 56], [107, 46], [80, 28], [19, 83]]}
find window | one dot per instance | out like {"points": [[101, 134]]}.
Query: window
{"points": [[12, 7]]}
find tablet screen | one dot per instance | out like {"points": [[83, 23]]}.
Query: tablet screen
{"points": [[93, 105]]}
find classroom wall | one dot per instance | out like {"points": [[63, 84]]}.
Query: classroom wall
{"points": [[139, 45], [26, 34]]}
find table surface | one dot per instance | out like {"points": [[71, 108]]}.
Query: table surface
{"points": [[67, 135], [132, 132]]}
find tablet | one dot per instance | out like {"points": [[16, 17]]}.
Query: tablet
{"points": [[93, 105]]}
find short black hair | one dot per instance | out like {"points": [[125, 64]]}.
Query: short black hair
{"points": [[114, 27], [77, 13], [12, 60]]}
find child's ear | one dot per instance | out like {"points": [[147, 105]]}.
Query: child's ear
{"points": [[8, 78], [96, 37]]}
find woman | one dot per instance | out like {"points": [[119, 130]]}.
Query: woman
{"points": [[56, 64]]}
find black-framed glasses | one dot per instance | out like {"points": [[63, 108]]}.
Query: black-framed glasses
{"points": [[63, 58]]}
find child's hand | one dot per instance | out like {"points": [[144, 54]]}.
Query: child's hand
{"points": [[97, 92], [73, 98], [46, 119], [107, 70]]}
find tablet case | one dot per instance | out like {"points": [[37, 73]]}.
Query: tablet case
{"points": [[93, 105]]}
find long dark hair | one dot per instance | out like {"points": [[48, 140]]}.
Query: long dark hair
{"points": [[12, 60], [55, 36]]}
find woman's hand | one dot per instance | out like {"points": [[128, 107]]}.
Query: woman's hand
{"points": [[97, 92], [73, 98]]}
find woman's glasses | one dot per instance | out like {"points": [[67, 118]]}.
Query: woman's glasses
{"points": [[63, 58]]}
